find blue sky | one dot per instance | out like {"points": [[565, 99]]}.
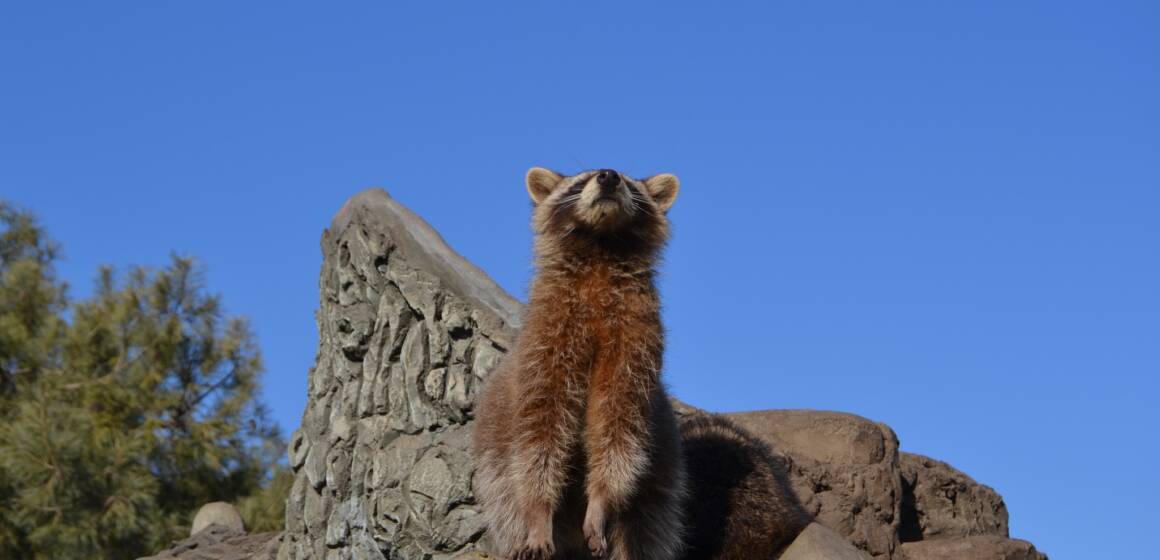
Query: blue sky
{"points": [[939, 216]]}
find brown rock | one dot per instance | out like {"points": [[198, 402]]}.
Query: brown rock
{"points": [[844, 469], [824, 437], [981, 547], [940, 501], [818, 542]]}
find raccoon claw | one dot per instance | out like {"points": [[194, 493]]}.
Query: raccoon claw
{"points": [[535, 552]]}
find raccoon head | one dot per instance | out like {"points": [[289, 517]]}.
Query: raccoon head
{"points": [[602, 207]]}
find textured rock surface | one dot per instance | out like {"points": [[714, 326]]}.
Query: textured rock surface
{"points": [[407, 331], [982, 547], [218, 542], [844, 468], [818, 542], [939, 501]]}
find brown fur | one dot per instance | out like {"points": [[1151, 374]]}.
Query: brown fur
{"points": [[578, 451], [741, 507]]}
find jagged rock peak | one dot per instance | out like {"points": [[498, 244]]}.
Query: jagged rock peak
{"points": [[376, 210], [407, 329]]}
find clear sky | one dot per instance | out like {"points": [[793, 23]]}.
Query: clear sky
{"points": [[942, 216]]}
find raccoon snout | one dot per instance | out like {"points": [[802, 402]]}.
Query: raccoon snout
{"points": [[608, 180]]}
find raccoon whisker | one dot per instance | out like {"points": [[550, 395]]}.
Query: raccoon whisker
{"points": [[563, 203], [568, 201]]}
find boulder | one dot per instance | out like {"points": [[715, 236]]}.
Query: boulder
{"points": [[818, 542], [979, 547], [217, 513], [940, 501], [843, 468]]}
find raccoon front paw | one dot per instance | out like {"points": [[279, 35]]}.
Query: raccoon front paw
{"points": [[538, 545], [538, 551], [594, 530]]}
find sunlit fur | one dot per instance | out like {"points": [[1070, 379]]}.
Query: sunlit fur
{"points": [[578, 450]]}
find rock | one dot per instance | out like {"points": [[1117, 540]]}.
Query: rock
{"points": [[980, 547], [407, 331], [818, 542], [823, 437], [217, 542], [939, 502], [217, 513], [844, 469]]}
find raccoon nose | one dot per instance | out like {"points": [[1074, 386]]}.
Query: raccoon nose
{"points": [[607, 178]]}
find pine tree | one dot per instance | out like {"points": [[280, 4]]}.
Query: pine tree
{"points": [[125, 418], [31, 300]]}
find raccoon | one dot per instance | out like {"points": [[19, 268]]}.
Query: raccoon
{"points": [[578, 451]]}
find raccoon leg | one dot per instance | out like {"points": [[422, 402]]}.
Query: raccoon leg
{"points": [[618, 431], [539, 544], [596, 528], [546, 432]]}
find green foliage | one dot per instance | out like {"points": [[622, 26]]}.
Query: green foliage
{"points": [[31, 301], [265, 510], [120, 421]]}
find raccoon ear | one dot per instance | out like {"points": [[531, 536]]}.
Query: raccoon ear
{"points": [[541, 182], [663, 189]]}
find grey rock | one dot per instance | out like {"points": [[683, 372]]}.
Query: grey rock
{"points": [[217, 513], [298, 449], [979, 547], [407, 331], [818, 542], [218, 542]]}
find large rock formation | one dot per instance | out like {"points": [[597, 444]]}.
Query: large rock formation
{"points": [[407, 331]]}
